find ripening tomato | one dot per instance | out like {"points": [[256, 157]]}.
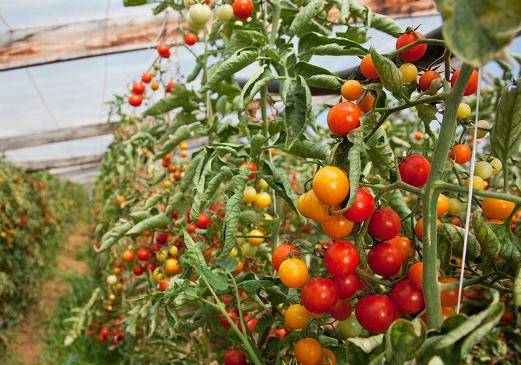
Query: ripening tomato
{"points": [[367, 67], [234, 357], [341, 258], [384, 224], [146, 77], [203, 222], [330, 185], [367, 102], [170, 86], [463, 111], [362, 207], [344, 117], [296, 317], [328, 357], [348, 285], [375, 313], [190, 39], [163, 286], [384, 259], [415, 52], [308, 351], [135, 100], [415, 274], [224, 12], [407, 298], [449, 297], [425, 80], [477, 183], [242, 9], [249, 195], [163, 50], [418, 228], [443, 205], [484, 169], [138, 88], [293, 273], [472, 85], [408, 72], [497, 208], [319, 295], [262, 200], [310, 207], [341, 310], [172, 266], [143, 254], [282, 253], [404, 246], [461, 153], [337, 226], [128, 256], [255, 241], [483, 128], [415, 170], [351, 90]]}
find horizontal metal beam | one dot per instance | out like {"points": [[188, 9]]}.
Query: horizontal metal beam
{"points": [[44, 45], [58, 135], [32, 166]]}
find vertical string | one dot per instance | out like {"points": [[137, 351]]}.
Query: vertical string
{"points": [[471, 190]]}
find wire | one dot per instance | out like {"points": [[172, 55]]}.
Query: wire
{"points": [[471, 190]]}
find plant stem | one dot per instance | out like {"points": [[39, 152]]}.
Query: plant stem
{"points": [[430, 195], [441, 185]]}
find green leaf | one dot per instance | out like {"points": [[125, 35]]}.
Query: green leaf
{"points": [[506, 132], [298, 104], [381, 153], [374, 20], [216, 279], [255, 285], [134, 2], [183, 133], [486, 237], [230, 66], [245, 38], [319, 44], [403, 340], [201, 199], [317, 76], [356, 137], [150, 224], [256, 143], [277, 179], [426, 112], [388, 72], [179, 97], [260, 79], [455, 236], [140, 215], [480, 30], [309, 149], [113, 236], [301, 22]]}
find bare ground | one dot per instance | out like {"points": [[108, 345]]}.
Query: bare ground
{"points": [[26, 346]]}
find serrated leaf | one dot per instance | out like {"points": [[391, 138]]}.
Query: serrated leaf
{"points": [[179, 97], [255, 285], [356, 137], [139, 216], [479, 31], [403, 340], [486, 237], [256, 143], [230, 66], [301, 22], [246, 38], [426, 112], [388, 72], [505, 137], [202, 198], [374, 20], [381, 153], [298, 104], [309, 149], [150, 224], [319, 44]]}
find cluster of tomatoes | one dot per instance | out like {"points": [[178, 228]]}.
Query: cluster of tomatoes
{"points": [[112, 332], [199, 15], [176, 172], [151, 79]]}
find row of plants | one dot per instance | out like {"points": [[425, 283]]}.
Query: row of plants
{"points": [[36, 209], [247, 222]]}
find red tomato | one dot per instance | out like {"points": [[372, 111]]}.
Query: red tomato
{"points": [[367, 67], [161, 238], [362, 207], [138, 88], [203, 222], [344, 117], [341, 310], [170, 86], [384, 224], [425, 80], [375, 313], [163, 286], [128, 256], [341, 258], [163, 50], [143, 254], [319, 295], [348, 285], [282, 253], [461, 153], [135, 100], [146, 77], [404, 245], [407, 298], [234, 357], [384, 259], [138, 269], [472, 86], [190, 39], [449, 297], [414, 53], [242, 9], [415, 170], [191, 228]]}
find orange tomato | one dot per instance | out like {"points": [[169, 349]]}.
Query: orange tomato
{"points": [[418, 228], [296, 316], [310, 207], [293, 273], [404, 245], [337, 226], [351, 90], [497, 208], [367, 102], [416, 274], [461, 153], [308, 351], [443, 205], [449, 297], [171, 266], [328, 357], [331, 185], [367, 67]]}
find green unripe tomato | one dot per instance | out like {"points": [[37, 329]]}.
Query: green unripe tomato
{"points": [[483, 128], [161, 255], [200, 14], [455, 206], [496, 164], [409, 73], [484, 169], [464, 111], [350, 327], [248, 250], [225, 12], [112, 279]]}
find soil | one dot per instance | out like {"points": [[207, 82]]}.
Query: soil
{"points": [[29, 340]]}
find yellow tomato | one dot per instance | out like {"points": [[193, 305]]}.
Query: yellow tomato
{"points": [[262, 200], [255, 241]]}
